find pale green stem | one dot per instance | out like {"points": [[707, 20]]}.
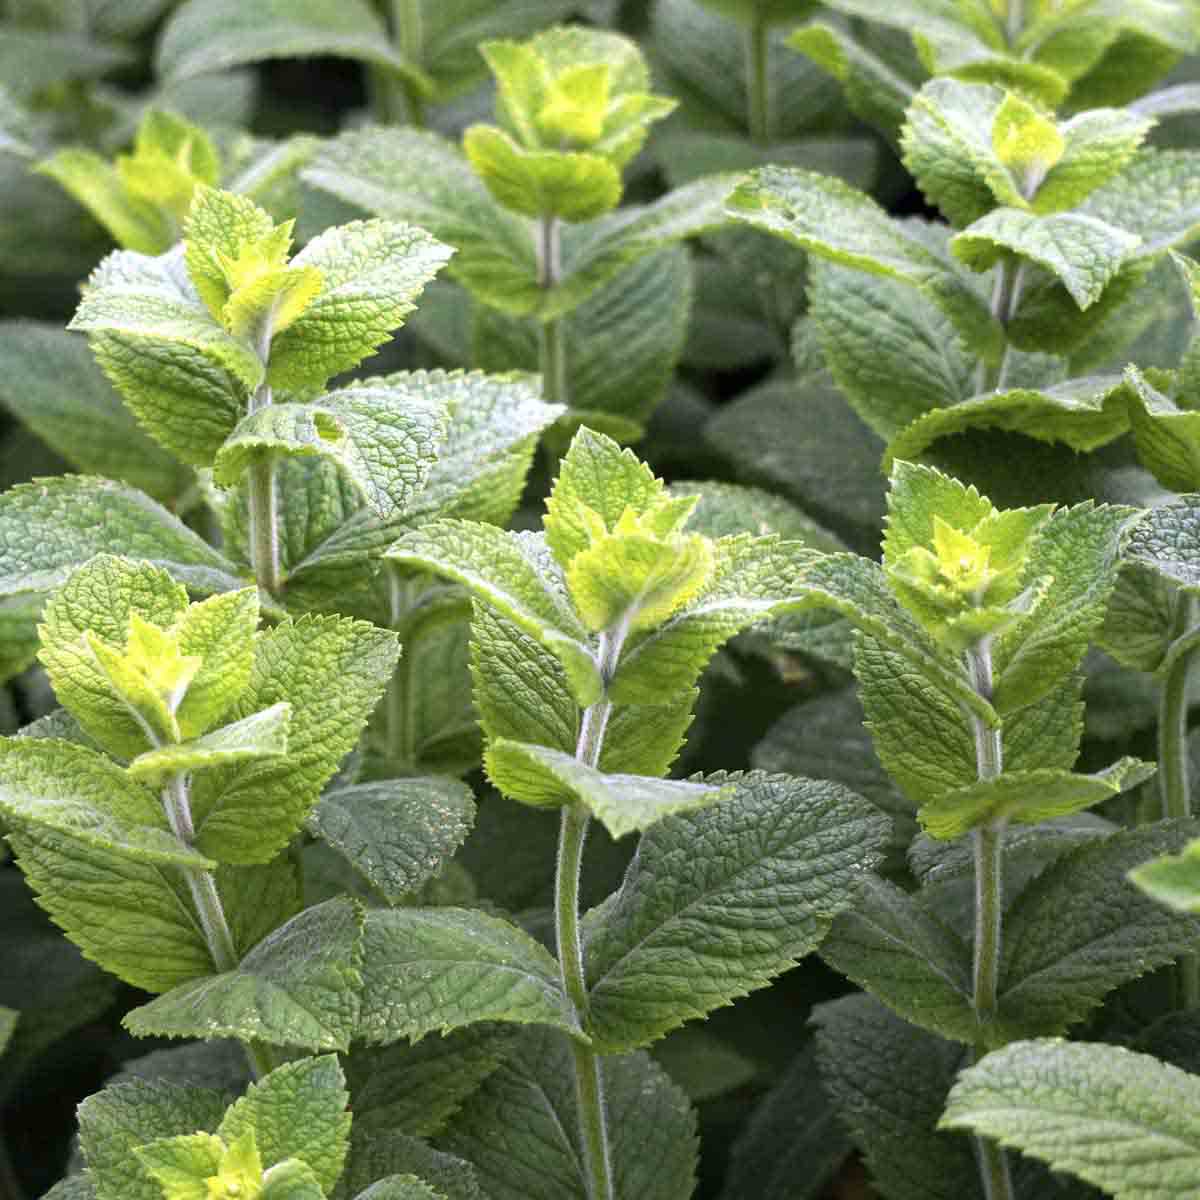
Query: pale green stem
{"points": [[1173, 757], [758, 92], [552, 342], [988, 845], [262, 496], [401, 713], [206, 899], [589, 1079], [1006, 294], [408, 36], [1015, 21]]}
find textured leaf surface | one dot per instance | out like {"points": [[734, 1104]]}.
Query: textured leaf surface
{"points": [[298, 987], [372, 272], [1167, 541], [433, 969], [263, 735], [1156, 197], [202, 37], [375, 1157], [623, 804], [332, 671], [398, 833], [521, 1129], [1081, 929], [50, 527], [891, 944], [1125, 1122], [690, 931]]}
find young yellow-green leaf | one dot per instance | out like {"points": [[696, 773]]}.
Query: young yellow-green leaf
{"points": [[540, 776], [298, 987], [66, 788], [263, 735], [521, 1129], [950, 147], [1173, 879], [372, 272], [1125, 1122], [98, 601], [396, 833], [892, 944], [332, 670], [430, 969], [1083, 252], [501, 570], [572, 186], [1097, 146], [1082, 929], [1027, 797], [1027, 141], [134, 222], [203, 36], [183, 1165], [721, 900], [219, 225]]}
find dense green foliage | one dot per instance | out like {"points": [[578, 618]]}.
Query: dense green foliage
{"points": [[597, 599]]}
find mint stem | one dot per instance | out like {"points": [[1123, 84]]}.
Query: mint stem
{"points": [[589, 1080], [988, 847], [263, 500], [401, 716], [552, 342], [758, 96], [1006, 295]]}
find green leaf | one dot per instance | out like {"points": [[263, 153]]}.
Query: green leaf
{"points": [[115, 1121], [263, 735], [400, 1187], [1028, 797], [430, 969], [691, 930], [1155, 198], [503, 571], [1079, 550], [298, 987], [540, 776], [397, 833], [416, 1088], [375, 1157], [752, 579], [1166, 541], [96, 605], [372, 272], [1137, 626], [50, 382], [1098, 145], [298, 1111], [1081, 251], [888, 1081], [1167, 436], [385, 441], [332, 671], [221, 631], [1172, 880], [645, 739], [1056, 970], [1084, 413], [891, 943], [1125, 1122], [70, 789], [181, 1165], [201, 36], [51, 527], [726, 509], [521, 1129], [33, 59]]}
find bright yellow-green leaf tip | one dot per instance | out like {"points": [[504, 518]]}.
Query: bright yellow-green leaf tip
{"points": [[240, 1173]]}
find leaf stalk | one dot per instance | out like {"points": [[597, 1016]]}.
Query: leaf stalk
{"points": [[758, 92]]}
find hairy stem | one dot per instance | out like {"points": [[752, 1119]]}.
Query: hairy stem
{"points": [[589, 1080], [988, 845], [552, 340], [1015, 20], [176, 800], [408, 37], [1173, 758], [262, 498], [401, 716], [1006, 295], [758, 95]]}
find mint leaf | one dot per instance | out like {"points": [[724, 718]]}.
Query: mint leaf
{"points": [[298, 987], [430, 969], [263, 735], [1082, 251], [400, 1187], [202, 37], [375, 1157], [332, 671], [397, 833], [53, 526], [1055, 971], [297, 1111], [623, 804], [499, 569], [70, 789], [674, 943], [1167, 437], [894, 946], [1125, 1122], [51, 383], [1097, 146], [1162, 542], [521, 1128], [1156, 198], [371, 272]]}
